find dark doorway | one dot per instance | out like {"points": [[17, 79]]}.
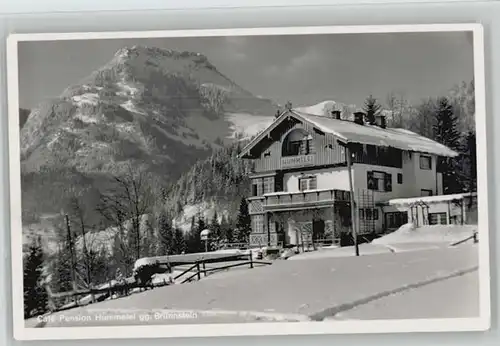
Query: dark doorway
{"points": [[318, 231], [280, 231]]}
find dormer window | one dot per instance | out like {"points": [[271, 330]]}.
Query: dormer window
{"points": [[297, 142]]}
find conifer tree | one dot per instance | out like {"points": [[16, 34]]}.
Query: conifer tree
{"points": [[35, 294], [149, 242], [165, 235], [372, 109], [179, 242], [446, 132], [470, 149], [193, 238], [243, 224], [216, 232], [226, 229]]}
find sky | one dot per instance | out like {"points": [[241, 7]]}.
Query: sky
{"points": [[302, 69]]}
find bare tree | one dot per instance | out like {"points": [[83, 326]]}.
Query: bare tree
{"points": [[79, 221], [426, 116], [400, 109], [123, 205], [391, 102]]}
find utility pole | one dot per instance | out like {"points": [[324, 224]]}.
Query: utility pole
{"points": [[353, 205], [70, 242]]}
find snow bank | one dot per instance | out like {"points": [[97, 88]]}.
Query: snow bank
{"points": [[427, 234]]}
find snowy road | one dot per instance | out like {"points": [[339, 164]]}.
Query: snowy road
{"points": [[315, 287], [441, 300]]}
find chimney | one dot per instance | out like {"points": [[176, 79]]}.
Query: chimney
{"points": [[335, 114], [359, 118], [381, 121]]}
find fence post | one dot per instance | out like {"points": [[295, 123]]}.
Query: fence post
{"points": [[198, 270], [251, 259], [204, 269]]}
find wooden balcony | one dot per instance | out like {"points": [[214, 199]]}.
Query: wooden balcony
{"points": [[288, 201]]}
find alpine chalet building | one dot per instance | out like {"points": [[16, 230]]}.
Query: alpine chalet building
{"points": [[309, 169]]}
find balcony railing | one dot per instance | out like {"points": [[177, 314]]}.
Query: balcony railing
{"points": [[297, 199]]}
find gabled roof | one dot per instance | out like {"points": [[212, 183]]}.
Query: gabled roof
{"points": [[350, 132]]}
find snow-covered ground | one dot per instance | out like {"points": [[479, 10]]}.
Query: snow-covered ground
{"points": [[406, 238], [427, 234], [291, 287], [443, 299], [325, 107], [247, 125]]}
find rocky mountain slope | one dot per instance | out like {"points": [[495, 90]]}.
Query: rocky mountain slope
{"points": [[156, 110]]}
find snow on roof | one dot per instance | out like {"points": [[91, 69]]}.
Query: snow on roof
{"points": [[351, 132], [427, 199]]}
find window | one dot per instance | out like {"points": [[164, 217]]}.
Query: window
{"points": [[307, 183], [298, 142], [257, 187], [257, 223], [425, 192], [254, 190], [368, 214], [425, 162], [400, 178], [438, 219], [267, 154], [294, 148], [379, 181], [268, 185], [395, 220]]}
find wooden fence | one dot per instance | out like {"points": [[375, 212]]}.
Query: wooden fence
{"points": [[195, 271]]}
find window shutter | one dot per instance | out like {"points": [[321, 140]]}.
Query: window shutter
{"points": [[388, 182], [313, 183], [312, 150], [303, 147], [370, 181], [361, 213], [302, 184]]}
